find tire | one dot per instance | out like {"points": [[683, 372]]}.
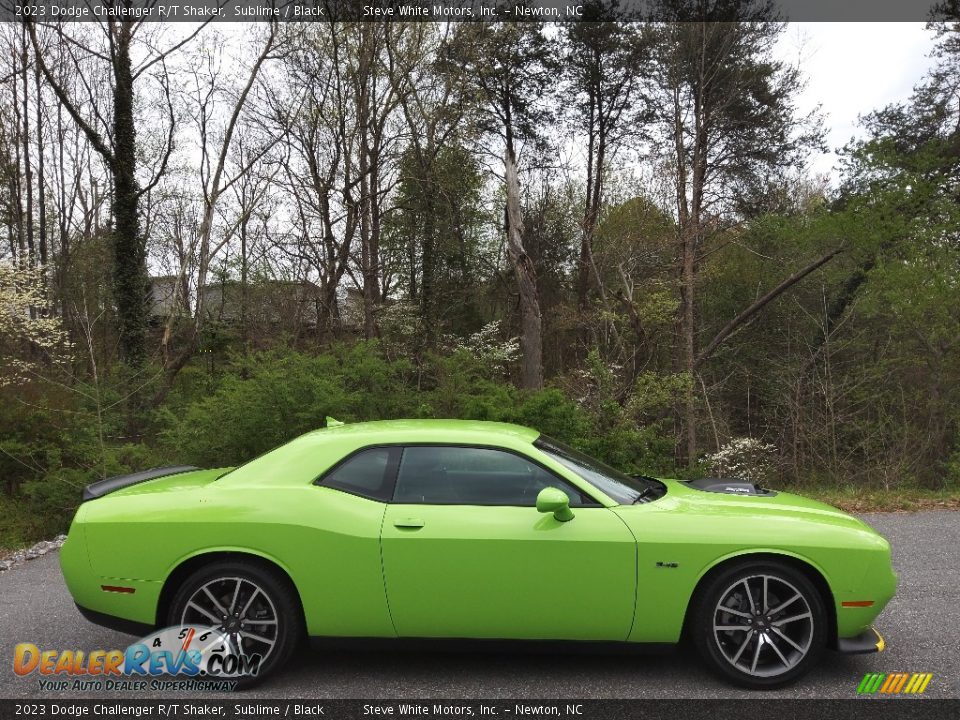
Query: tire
{"points": [[776, 646], [266, 598]]}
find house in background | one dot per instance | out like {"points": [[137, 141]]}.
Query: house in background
{"points": [[164, 300], [262, 308], [350, 306], [266, 307]]}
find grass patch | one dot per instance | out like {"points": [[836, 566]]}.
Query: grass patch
{"points": [[860, 500]]}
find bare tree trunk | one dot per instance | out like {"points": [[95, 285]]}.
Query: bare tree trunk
{"points": [[244, 268], [11, 239], [63, 224], [691, 238], [41, 179], [586, 236], [366, 258], [380, 287], [369, 225], [596, 162], [27, 163], [687, 291], [16, 183], [531, 341]]}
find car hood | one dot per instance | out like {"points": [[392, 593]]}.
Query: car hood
{"points": [[782, 504]]}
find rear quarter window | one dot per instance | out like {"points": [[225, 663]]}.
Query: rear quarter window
{"points": [[367, 473]]}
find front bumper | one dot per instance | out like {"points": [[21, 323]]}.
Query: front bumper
{"points": [[869, 641]]}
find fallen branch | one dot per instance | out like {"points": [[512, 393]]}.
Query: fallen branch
{"points": [[757, 306]]}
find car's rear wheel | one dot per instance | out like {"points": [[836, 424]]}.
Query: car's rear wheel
{"points": [[253, 606], [760, 625]]}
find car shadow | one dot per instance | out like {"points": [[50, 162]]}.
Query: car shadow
{"points": [[517, 671]]}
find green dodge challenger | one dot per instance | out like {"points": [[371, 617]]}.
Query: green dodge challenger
{"points": [[476, 530]]}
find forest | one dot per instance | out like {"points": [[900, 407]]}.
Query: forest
{"points": [[214, 236]]}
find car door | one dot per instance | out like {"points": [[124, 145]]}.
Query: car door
{"points": [[338, 562], [466, 554]]}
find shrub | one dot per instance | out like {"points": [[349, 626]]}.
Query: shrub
{"points": [[268, 398], [255, 402], [746, 458]]}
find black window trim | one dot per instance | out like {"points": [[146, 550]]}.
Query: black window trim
{"points": [[543, 443], [393, 471], [390, 471]]}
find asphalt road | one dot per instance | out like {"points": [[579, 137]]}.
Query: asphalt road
{"points": [[921, 626]]}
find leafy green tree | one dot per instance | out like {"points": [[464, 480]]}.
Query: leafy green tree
{"points": [[510, 68], [725, 121], [436, 228], [115, 141], [608, 63], [902, 189]]}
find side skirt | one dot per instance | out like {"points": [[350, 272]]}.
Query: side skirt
{"points": [[489, 646]]}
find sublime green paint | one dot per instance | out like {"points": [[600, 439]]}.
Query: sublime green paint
{"points": [[372, 569], [555, 501]]}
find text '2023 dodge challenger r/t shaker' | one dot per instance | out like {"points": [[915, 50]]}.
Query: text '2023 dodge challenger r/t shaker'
{"points": [[476, 530]]}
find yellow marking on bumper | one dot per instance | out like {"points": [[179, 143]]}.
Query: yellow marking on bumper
{"points": [[881, 643]]}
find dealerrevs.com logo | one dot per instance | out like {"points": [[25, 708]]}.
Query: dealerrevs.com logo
{"points": [[898, 683], [183, 650]]}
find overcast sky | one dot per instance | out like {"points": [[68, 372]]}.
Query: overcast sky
{"points": [[853, 68]]}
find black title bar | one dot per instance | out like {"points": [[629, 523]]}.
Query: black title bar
{"points": [[238, 706], [52, 11]]}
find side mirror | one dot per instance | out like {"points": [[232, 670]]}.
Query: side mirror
{"points": [[553, 500]]}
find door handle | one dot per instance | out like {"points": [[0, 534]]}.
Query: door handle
{"points": [[412, 523]]}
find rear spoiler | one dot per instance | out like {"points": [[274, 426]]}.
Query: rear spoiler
{"points": [[104, 487]]}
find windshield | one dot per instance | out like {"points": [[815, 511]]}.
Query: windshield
{"points": [[625, 489]]}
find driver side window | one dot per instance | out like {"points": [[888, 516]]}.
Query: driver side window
{"points": [[445, 475]]}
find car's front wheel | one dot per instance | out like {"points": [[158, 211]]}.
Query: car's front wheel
{"points": [[253, 607], [760, 625]]}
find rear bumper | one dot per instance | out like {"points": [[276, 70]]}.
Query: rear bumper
{"points": [[130, 627], [869, 641], [91, 592]]}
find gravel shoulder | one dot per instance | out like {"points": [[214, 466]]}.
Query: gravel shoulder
{"points": [[10, 560]]}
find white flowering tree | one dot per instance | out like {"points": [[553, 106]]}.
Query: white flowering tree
{"points": [[489, 348], [744, 457], [28, 335]]}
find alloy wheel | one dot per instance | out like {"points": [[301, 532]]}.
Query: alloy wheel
{"points": [[239, 608], [763, 625]]}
